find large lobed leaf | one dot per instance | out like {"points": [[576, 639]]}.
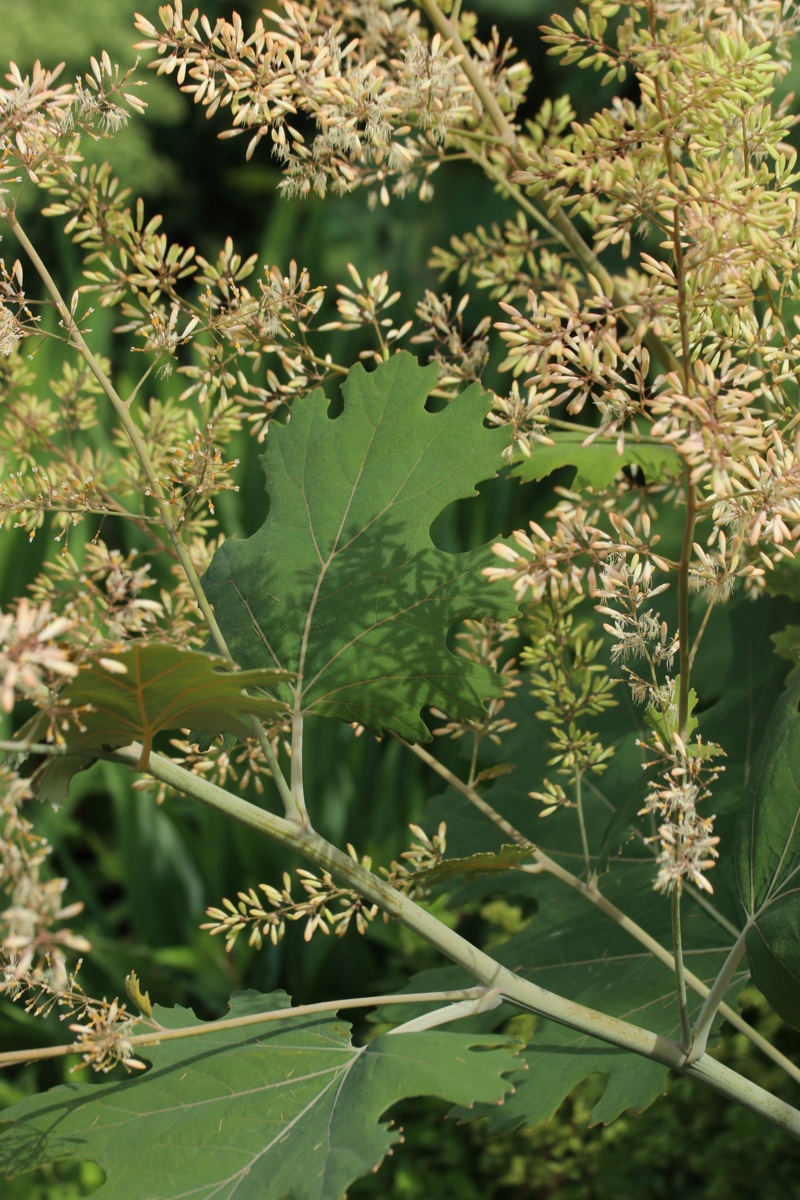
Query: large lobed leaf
{"points": [[570, 947], [285, 1111], [342, 584], [768, 860]]}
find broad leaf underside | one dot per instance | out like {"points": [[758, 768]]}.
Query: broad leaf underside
{"points": [[342, 584], [285, 1111]]}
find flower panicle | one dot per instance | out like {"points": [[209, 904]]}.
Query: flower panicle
{"points": [[326, 907]]}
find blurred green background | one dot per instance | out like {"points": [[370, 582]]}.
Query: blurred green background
{"points": [[145, 873]]}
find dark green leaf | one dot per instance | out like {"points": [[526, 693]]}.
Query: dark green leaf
{"points": [[342, 584], [768, 860], [787, 643], [268, 1112]]}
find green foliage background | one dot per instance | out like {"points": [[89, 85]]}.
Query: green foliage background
{"points": [[147, 873]]}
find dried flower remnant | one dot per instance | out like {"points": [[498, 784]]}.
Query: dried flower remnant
{"points": [[103, 1036], [365, 307], [95, 102], [10, 332], [199, 471], [104, 1027], [636, 630], [528, 417], [16, 318], [462, 357]]}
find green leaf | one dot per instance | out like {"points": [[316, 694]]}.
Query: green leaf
{"points": [[598, 464], [342, 584], [150, 688], [485, 862], [768, 860], [571, 947], [787, 643], [664, 722], [289, 1109]]}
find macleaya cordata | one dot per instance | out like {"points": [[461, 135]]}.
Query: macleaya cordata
{"points": [[613, 672]]}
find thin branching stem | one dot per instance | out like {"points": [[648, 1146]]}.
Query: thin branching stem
{"points": [[542, 862], [684, 643], [714, 999], [587, 858], [680, 969], [513, 988], [121, 407], [557, 220], [158, 1034]]}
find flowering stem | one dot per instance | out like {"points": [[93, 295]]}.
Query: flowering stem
{"points": [[582, 826], [543, 863], [703, 624], [293, 811], [157, 1035], [683, 605], [493, 975], [557, 219], [680, 971]]}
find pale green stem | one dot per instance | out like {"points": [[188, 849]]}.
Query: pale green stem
{"points": [[492, 975], [298, 793], [591, 893], [514, 192], [469, 792], [543, 863], [703, 624], [135, 390], [683, 607], [137, 441], [680, 970], [25, 748], [683, 723], [713, 1002], [473, 762], [488, 971], [587, 860], [159, 1034]]}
